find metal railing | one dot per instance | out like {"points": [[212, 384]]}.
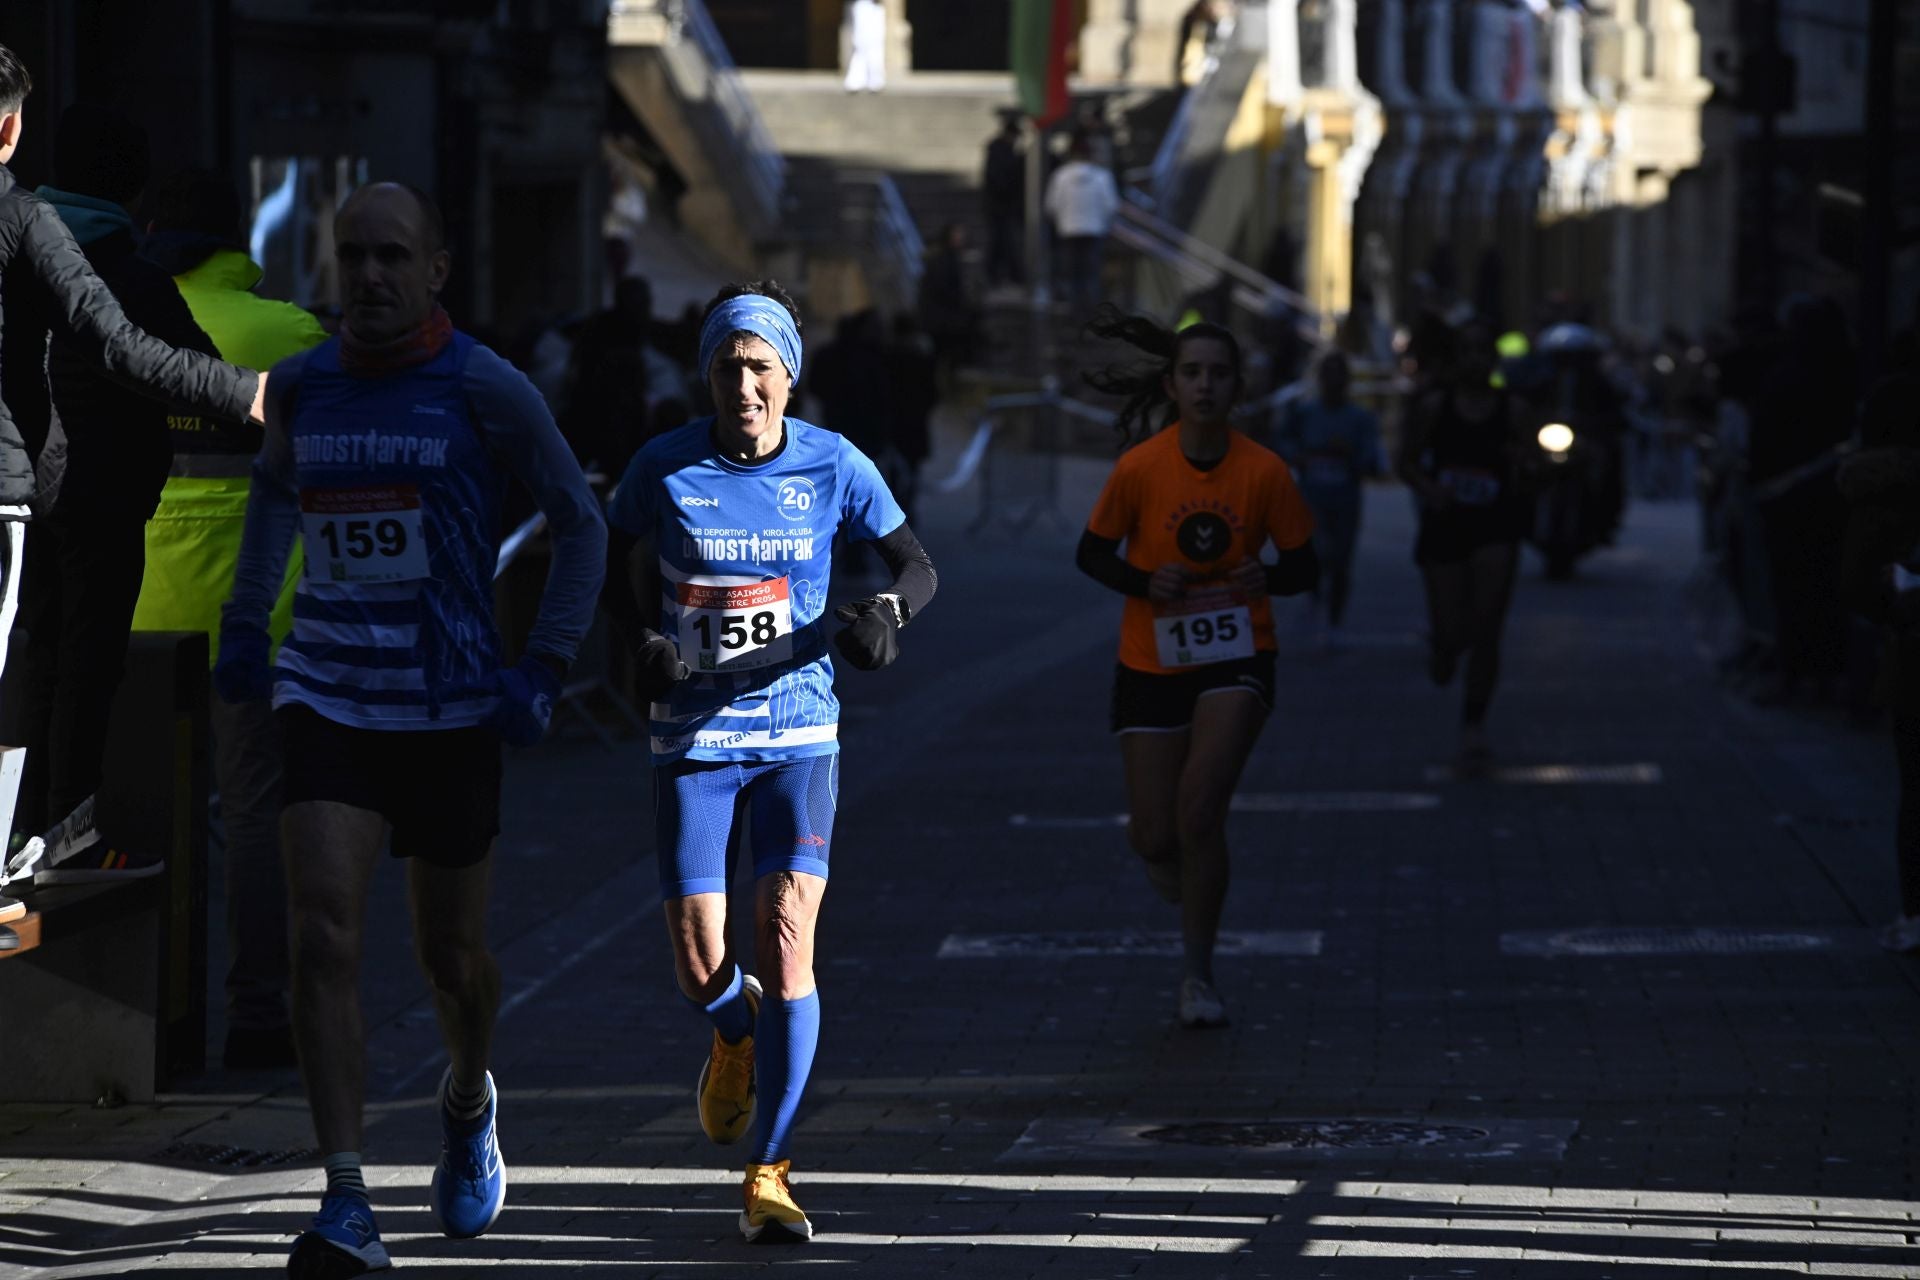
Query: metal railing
{"points": [[1020, 488], [705, 75], [872, 215], [1194, 138], [1200, 267]]}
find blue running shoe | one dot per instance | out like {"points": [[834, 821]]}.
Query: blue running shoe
{"points": [[343, 1241], [470, 1185]]}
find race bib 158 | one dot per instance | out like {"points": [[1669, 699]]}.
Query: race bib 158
{"points": [[363, 535], [733, 626]]}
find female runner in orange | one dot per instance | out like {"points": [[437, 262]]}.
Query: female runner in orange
{"points": [[1195, 502]]}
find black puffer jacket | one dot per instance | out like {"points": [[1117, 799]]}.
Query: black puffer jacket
{"points": [[119, 444], [40, 263]]}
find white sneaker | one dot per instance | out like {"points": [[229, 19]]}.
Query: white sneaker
{"points": [[1200, 1004], [20, 865], [1902, 936]]}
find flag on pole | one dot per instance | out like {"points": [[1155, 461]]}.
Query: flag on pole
{"points": [[1042, 37]]}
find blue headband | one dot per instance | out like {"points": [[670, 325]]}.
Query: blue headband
{"points": [[756, 314]]}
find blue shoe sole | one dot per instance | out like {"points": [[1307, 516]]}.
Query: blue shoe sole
{"points": [[317, 1258]]}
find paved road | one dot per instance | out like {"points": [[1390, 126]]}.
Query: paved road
{"points": [[1481, 1028]]}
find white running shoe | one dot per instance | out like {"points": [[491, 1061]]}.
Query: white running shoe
{"points": [[75, 855], [1200, 1004], [20, 866]]}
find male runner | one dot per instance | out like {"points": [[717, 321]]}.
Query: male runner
{"points": [[388, 448], [734, 518]]}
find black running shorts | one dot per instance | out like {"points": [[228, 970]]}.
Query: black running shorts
{"points": [[1147, 702], [439, 788]]}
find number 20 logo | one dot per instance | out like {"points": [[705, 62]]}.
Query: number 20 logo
{"points": [[794, 497]]}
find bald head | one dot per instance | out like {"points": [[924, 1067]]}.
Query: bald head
{"points": [[390, 242]]}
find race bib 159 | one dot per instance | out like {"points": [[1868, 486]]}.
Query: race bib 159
{"points": [[363, 535], [735, 626]]}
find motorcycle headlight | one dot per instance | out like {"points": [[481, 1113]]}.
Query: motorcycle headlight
{"points": [[1556, 437]]}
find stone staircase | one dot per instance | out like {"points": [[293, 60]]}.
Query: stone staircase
{"points": [[928, 132]]}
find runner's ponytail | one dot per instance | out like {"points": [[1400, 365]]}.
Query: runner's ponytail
{"points": [[1143, 385]]}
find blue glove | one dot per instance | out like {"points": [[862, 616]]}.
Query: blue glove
{"points": [[527, 692], [243, 673]]}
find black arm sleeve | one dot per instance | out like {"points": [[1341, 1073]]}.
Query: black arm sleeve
{"points": [[617, 594], [1297, 570], [88, 312], [1099, 558], [912, 568]]}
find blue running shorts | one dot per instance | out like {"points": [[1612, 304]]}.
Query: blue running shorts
{"points": [[789, 806]]}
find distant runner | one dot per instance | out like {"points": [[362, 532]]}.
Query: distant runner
{"points": [[1462, 459], [1195, 502], [1333, 446]]}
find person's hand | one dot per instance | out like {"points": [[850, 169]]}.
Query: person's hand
{"points": [[259, 411], [527, 692], [871, 638], [1248, 578], [1168, 583], [657, 666], [242, 673]]}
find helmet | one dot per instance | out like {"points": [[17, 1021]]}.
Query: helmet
{"points": [[1570, 339]]}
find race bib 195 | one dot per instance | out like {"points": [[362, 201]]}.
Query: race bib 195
{"points": [[735, 626], [1204, 631], [363, 535]]}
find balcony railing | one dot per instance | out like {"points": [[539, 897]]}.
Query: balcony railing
{"points": [[705, 74]]}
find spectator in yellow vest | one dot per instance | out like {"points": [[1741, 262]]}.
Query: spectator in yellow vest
{"points": [[195, 233]]}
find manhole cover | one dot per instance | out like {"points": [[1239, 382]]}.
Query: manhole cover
{"points": [[219, 1157], [1121, 942], [1309, 1135], [1289, 1140], [1334, 801], [1552, 775], [1661, 942]]}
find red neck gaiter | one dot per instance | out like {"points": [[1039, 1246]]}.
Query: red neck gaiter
{"points": [[423, 344]]}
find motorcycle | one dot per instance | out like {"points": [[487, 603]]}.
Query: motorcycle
{"points": [[1571, 513], [1580, 493]]}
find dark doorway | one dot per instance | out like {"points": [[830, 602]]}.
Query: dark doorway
{"points": [[538, 259], [959, 37], [763, 33]]}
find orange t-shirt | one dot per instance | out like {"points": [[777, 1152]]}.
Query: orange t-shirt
{"points": [[1167, 510]]}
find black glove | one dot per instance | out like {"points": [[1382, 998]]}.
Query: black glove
{"points": [[657, 666], [870, 639]]}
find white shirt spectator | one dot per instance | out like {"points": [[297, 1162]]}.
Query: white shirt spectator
{"points": [[1082, 199]]}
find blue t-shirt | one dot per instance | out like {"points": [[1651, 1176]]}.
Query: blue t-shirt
{"points": [[743, 554], [1331, 448]]}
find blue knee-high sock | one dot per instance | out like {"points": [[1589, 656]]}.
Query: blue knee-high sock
{"points": [[731, 1014], [782, 1059]]}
